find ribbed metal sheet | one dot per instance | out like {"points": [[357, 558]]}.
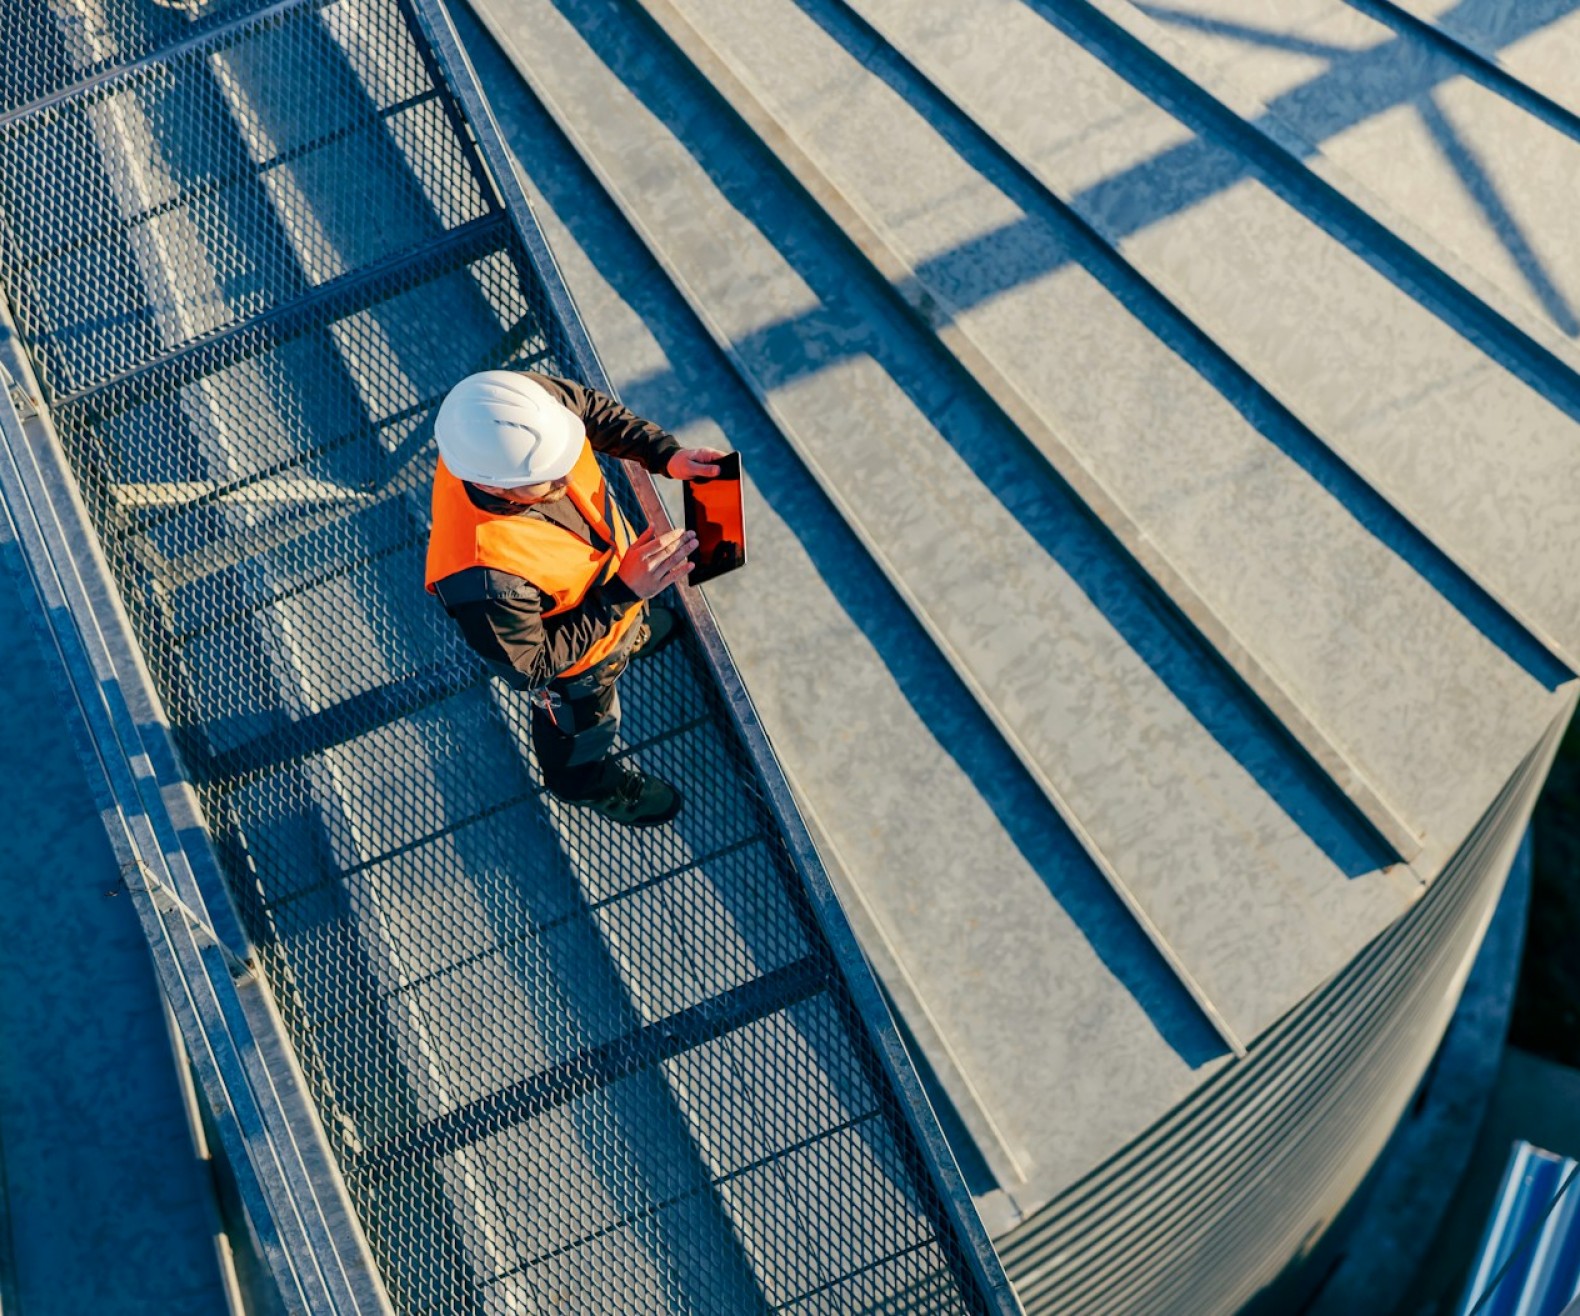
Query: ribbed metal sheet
{"points": [[1194, 1217], [1012, 240], [559, 1064]]}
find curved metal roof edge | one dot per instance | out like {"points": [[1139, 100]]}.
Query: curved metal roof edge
{"points": [[1317, 1051]]}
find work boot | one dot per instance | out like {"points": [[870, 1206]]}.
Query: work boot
{"points": [[657, 629], [637, 800]]}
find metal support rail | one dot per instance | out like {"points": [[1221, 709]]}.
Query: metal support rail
{"points": [[300, 1225]]}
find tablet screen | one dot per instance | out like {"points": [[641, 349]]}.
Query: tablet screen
{"points": [[715, 514]]}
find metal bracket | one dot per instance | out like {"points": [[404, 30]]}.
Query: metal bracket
{"points": [[25, 403], [139, 877]]}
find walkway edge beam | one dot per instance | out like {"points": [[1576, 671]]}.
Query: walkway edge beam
{"points": [[989, 1274], [301, 1224]]}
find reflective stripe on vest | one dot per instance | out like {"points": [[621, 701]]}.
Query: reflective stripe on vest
{"points": [[558, 561]]}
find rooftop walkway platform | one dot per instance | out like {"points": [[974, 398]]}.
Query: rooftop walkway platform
{"points": [[467, 1049]]}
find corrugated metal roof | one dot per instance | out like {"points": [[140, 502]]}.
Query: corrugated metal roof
{"points": [[1165, 488]]}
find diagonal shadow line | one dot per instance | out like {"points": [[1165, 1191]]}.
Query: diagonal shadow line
{"points": [[1497, 23], [1462, 158], [856, 316], [1354, 89], [1357, 88], [1396, 72], [1255, 36]]}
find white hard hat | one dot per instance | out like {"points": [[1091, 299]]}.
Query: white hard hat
{"points": [[503, 429]]}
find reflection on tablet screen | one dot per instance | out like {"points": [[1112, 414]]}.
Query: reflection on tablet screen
{"points": [[714, 513]]}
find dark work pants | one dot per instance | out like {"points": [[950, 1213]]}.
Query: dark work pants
{"points": [[575, 745]]}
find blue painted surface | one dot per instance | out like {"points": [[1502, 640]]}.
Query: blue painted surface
{"points": [[1529, 1264], [109, 1209]]}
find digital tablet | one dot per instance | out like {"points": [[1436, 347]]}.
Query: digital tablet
{"points": [[714, 513]]}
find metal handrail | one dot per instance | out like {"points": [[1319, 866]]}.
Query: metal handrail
{"points": [[300, 1223]]}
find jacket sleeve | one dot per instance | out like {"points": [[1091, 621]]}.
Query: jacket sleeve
{"points": [[514, 630], [613, 427]]}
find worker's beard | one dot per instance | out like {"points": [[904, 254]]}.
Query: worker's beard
{"points": [[554, 495]]}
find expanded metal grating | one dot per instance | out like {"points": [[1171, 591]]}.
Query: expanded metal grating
{"points": [[562, 1066]]}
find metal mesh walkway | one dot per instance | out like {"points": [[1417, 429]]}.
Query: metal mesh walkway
{"points": [[561, 1065]]}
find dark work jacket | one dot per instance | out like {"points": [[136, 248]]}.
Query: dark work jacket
{"points": [[503, 618]]}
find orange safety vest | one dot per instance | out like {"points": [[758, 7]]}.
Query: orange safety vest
{"points": [[558, 561]]}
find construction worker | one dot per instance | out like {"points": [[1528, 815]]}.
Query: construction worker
{"points": [[547, 580]]}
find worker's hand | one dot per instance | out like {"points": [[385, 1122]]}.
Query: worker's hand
{"points": [[689, 463], [654, 562]]}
